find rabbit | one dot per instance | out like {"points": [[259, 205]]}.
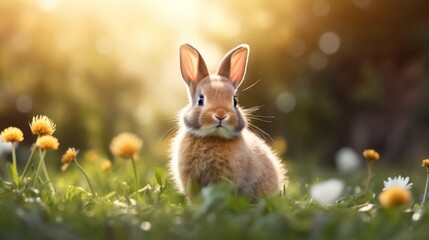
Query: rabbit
{"points": [[213, 141]]}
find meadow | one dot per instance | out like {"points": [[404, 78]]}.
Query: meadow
{"points": [[90, 199], [330, 78]]}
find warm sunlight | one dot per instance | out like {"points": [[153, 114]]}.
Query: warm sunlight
{"points": [[310, 120]]}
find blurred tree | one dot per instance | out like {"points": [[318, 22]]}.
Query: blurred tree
{"points": [[334, 73], [363, 87]]}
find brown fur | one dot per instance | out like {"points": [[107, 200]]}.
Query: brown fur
{"points": [[207, 149], [244, 160]]}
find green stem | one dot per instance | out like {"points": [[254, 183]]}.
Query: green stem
{"points": [[15, 169], [29, 163], [135, 176], [13, 155], [45, 172], [42, 157], [87, 178], [369, 179], [426, 189]]}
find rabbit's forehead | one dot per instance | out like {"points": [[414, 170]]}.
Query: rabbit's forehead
{"points": [[216, 87]]}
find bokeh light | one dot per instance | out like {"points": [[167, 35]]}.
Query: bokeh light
{"points": [[24, 103], [279, 145], [318, 61], [321, 8], [347, 160], [329, 42], [361, 3], [286, 102]]}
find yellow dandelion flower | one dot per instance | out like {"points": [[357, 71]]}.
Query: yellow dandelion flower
{"points": [[280, 144], [12, 134], [371, 154], [42, 126], [47, 142], [126, 145], [394, 197], [425, 163], [92, 156], [69, 156], [106, 165]]}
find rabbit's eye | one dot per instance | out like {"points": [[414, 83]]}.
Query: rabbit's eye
{"points": [[235, 102], [201, 100]]}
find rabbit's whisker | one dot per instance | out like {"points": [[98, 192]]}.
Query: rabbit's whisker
{"points": [[261, 132], [169, 133], [249, 87], [258, 119]]}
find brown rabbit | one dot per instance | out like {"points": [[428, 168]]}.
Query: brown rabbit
{"points": [[213, 141]]}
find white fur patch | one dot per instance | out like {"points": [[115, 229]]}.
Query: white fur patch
{"points": [[223, 132]]}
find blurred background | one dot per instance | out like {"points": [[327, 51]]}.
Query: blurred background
{"points": [[332, 73]]}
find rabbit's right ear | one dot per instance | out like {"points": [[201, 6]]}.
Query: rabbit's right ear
{"points": [[192, 65], [234, 64]]}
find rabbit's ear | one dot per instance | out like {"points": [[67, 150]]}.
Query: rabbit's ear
{"points": [[233, 65], [192, 65]]}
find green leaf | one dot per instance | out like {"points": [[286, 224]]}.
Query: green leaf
{"points": [[109, 195], [159, 175]]}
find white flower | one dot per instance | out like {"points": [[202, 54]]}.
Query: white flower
{"points": [[328, 191], [347, 160], [398, 181]]}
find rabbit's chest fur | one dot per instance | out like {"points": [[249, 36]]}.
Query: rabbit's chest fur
{"points": [[205, 160]]}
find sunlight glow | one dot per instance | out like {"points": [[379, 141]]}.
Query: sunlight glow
{"points": [[265, 19], [296, 47], [47, 5], [104, 45], [129, 50], [362, 3], [321, 8]]}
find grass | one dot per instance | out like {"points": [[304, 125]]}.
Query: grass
{"points": [[161, 213], [87, 202]]}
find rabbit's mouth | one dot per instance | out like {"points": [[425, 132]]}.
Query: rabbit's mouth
{"points": [[220, 120], [223, 130], [219, 126]]}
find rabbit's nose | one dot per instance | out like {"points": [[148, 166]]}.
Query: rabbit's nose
{"points": [[220, 114], [220, 118]]}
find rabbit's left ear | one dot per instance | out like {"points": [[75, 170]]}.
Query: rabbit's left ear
{"points": [[192, 65], [233, 65]]}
